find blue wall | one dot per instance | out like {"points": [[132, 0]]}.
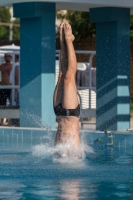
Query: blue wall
{"points": [[113, 67], [37, 72]]}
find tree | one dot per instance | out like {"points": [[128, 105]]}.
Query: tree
{"points": [[16, 30], [4, 17], [131, 25]]}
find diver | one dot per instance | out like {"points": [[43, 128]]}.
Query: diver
{"points": [[65, 101]]}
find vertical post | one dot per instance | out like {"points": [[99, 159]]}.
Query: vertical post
{"points": [[113, 67], [37, 62]]}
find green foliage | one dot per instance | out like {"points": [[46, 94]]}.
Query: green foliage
{"points": [[131, 107], [82, 27], [4, 17], [16, 30], [131, 26], [4, 14]]}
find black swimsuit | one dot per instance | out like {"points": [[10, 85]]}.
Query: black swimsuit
{"points": [[60, 111]]}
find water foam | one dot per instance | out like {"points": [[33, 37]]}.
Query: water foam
{"points": [[61, 152]]}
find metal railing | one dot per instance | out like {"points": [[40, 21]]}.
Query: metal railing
{"points": [[89, 87]]}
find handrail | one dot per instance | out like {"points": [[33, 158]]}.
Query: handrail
{"points": [[84, 88], [81, 51], [9, 86], [9, 107], [57, 54]]}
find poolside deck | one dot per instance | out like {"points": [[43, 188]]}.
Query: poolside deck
{"points": [[93, 127]]}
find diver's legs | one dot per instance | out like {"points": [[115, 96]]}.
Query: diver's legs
{"points": [[58, 93]]}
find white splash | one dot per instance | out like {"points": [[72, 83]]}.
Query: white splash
{"points": [[62, 152]]}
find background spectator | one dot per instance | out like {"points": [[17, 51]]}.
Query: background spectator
{"points": [[5, 69]]}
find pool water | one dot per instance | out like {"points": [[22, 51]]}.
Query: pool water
{"points": [[28, 169]]}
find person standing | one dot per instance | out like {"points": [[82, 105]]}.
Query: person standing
{"points": [[14, 76], [5, 69], [16, 81]]}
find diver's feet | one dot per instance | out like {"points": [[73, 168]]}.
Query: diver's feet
{"points": [[68, 32]]}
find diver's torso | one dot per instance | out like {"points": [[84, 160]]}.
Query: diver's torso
{"points": [[68, 127]]}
